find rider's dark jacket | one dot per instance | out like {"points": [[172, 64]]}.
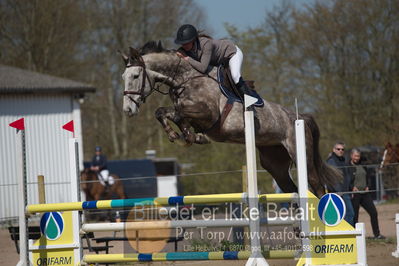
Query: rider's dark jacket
{"points": [[99, 160], [340, 163]]}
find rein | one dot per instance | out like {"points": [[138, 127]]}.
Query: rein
{"points": [[140, 63]]}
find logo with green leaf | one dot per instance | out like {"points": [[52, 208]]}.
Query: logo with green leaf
{"points": [[52, 225], [331, 209]]}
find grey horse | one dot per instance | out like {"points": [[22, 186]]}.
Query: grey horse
{"points": [[198, 104]]}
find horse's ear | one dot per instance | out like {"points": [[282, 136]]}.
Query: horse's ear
{"points": [[124, 57], [134, 54]]}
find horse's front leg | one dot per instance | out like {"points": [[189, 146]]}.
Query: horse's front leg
{"points": [[163, 114]]}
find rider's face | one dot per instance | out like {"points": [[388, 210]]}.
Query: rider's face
{"points": [[188, 46]]}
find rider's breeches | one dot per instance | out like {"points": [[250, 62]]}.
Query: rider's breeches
{"points": [[104, 173], [235, 65], [105, 177]]}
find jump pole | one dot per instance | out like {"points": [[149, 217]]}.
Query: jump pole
{"points": [[256, 257], [396, 252], [22, 189], [158, 202], [176, 224], [75, 192], [302, 180]]}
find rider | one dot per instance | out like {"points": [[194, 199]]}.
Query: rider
{"points": [[99, 165], [201, 51]]}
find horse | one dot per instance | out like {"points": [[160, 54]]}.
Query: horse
{"points": [[94, 190], [389, 168], [390, 155], [197, 109]]}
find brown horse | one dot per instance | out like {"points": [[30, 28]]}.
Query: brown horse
{"points": [[94, 190], [389, 168], [391, 154], [199, 104]]}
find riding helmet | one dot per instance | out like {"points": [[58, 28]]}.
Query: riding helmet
{"points": [[98, 148], [186, 34]]}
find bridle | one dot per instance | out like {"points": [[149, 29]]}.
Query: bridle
{"points": [[145, 77], [138, 61]]}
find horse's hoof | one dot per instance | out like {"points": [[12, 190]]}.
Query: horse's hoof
{"points": [[189, 137], [202, 139], [172, 136]]}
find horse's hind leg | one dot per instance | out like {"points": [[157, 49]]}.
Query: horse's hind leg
{"points": [[313, 177], [277, 161]]}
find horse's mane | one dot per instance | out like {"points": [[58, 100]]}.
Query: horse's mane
{"points": [[153, 47]]}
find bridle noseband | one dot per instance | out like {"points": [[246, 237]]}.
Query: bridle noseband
{"points": [[142, 97]]}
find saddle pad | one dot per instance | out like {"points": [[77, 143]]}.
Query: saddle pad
{"points": [[231, 95]]}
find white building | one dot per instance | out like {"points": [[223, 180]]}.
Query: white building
{"points": [[46, 103]]}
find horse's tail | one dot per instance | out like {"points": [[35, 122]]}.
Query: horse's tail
{"points": [[328, 175]]}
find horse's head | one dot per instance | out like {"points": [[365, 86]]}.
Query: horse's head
{"points": [[390, 155], [138, 84], [86, 175]]}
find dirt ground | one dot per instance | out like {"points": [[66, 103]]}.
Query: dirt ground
{"points": [[378, 252]]}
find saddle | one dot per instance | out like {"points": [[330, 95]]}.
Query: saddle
{"points": [[228, 88]]}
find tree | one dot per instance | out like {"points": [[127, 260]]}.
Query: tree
{"points": [[340, 58], [42, 36]]}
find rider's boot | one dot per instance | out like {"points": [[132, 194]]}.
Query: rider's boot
{"points": [[243, 89]]}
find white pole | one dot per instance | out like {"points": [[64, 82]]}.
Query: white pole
{"points": [[302, 182], [361, 245], [253, 201], [301, 158], [78, 128], [74, 168], [120, 226], [396, 252], [21, 173], [75, 192]]}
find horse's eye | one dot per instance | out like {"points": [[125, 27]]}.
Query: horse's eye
{"points": [[135, 76]]}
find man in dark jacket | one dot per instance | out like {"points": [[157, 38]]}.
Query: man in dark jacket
{"points": [[362, 198], [337, 160]]}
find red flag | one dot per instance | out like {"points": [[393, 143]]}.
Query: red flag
{"points": [[18, 124], [69, 126]]}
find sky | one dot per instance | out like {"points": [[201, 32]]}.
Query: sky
{"points": [[240, 13]]}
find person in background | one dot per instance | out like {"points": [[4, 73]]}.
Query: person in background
{"points": [[360, 183], [99, 165], [337, 160]]}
